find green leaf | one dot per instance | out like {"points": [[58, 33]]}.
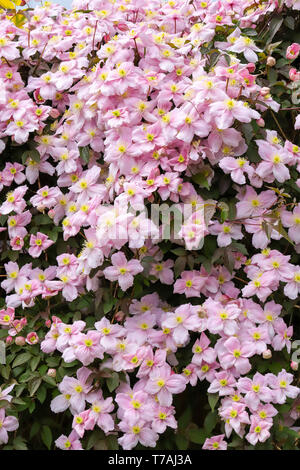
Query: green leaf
{"points": [[4, 404], [212, 400], [41, 394], [112, 382], [108, 305], [210, 421], [112, 442], [34, 362], [279, 228], [201, 180], [209, 210], [249, 32], [235, 246], [197, 436], [274, 26], [179, 251], [224, 208], [289, 21], [18, 401], [34, 429], [95, 437], [49, 380], [185, 418], [46, 436], [42, 219], [228, 260], [179, 265], [181, 442], [32, 155], [5, 372], [272, 75], [43, 369], [19, 443], [21, 359], [84, 153], [2, 353], [33, 386]]}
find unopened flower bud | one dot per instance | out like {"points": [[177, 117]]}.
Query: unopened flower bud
{"points": [[122, 27], [48, 323], [294, 365], [51, 373], [54, 113], [271, 61], [260, 122], [251, 67], [51, 213], [9, 339], [265, 91], [119, 316], [267, 354], [20, 341]]}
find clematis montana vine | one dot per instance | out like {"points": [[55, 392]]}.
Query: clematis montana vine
{"points": [[150, 225]]}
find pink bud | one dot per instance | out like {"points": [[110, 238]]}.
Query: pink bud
{"points": [[48, 323], [51, 373], [20, 341], [265, 91], [9, 339], [23, 321], [51, 213], [294, 365], [106, 37], [260, 122], [119, 316], [251, 67], [267, 354], [271, 61], [54, 113], [122, 27]]}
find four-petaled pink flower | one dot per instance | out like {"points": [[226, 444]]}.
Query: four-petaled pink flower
{"points": [[122, 270]]}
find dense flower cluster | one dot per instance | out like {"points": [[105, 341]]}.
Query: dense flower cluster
{"points": [[110, 109]]}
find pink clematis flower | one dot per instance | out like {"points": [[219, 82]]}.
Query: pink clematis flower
{"points": [[71, 442], [38, 243], [73, 392], [292, 51], [163, 383], [256, 390], [281, 386], [215, 443], [292, 221], [100, 411], [225, 233], [7, 424], [162, 270], [140, 431], [189, 284], [259, 430], [202, 353], [236, 354], [122, 270], [223, 383]]}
